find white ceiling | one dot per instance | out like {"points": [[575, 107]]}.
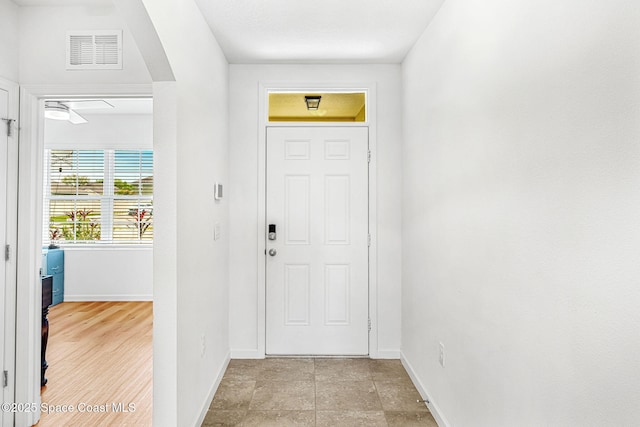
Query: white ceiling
{"points": [[120, 106], [300, 31], [126, 106], [307, 31], [62, 2]]}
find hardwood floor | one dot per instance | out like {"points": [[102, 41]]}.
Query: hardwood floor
{"points": [[100, 357]]}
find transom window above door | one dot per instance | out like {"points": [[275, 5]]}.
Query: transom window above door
{"points": [[317, 107]]}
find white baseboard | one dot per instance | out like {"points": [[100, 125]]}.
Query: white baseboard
{"points": [[433, 407], [89, 298], [386, 354], [246, 354], [212, 391], [255, 354]]}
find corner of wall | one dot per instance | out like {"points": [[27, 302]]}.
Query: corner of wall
{"points": [[431, 404], [212, 392]]}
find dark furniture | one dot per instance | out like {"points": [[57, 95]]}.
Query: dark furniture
{"points": [[47, 298]]}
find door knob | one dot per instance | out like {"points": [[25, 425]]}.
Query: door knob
{"points": [[272, 252]]}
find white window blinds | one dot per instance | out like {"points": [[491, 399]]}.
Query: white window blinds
{"points": [[98, 196]]}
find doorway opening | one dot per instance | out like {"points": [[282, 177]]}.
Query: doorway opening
{"points": [[97, 248], [266, 90]]}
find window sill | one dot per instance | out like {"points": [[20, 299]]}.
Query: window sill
{"points": [[105, 247]]}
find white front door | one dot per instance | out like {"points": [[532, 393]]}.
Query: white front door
{"points": [[317, 294]]}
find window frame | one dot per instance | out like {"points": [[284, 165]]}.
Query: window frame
{"points": [[106, 200]]}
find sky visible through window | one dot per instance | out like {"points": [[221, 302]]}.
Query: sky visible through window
{"points": [[85, 161], [126, 162]]}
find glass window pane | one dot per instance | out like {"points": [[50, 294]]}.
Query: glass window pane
{"points": [[90, 174], [74, 220], [132, 220], [61, 166], [146, 173], [80, 208], [133, 172], [317, 107], [77, 172]]}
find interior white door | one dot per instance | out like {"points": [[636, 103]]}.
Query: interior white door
{"points": [[317, 295], [4, 167]]}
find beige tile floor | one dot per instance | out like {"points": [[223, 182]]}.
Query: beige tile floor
{"points": [[317, 392]]}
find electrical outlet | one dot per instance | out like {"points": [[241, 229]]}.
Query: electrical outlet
{"points": [[441, 358], [203, 345]]}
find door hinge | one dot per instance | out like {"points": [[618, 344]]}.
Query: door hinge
{"points": [[9, 125], [369, 240], [5, 379], [369, 324], [7, 252], [369, 156]]}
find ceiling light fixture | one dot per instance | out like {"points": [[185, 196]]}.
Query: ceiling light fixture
{"points": [[313, 102], [56, 110]]}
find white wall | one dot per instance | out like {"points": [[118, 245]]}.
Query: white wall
{"points": [[108, 274], [42, 46], [193, 161], [520, 212], [42, 33], [243, 191], [9, 37], [108, 131]]}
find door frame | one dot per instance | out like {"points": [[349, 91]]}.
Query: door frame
{"points": [[29, 294], [9, 309], [263, 122]]}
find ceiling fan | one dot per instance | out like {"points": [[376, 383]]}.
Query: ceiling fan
{"points": [[66, 110]]}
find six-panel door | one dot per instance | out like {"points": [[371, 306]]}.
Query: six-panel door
{"points": [[317, 266]]}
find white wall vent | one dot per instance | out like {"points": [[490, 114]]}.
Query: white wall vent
{"points": [[94, 50]]}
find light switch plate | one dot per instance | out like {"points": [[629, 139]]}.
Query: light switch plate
{"points": [[217, 191]]}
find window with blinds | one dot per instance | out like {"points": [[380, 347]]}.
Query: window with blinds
{"points": [[98, 196]]}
